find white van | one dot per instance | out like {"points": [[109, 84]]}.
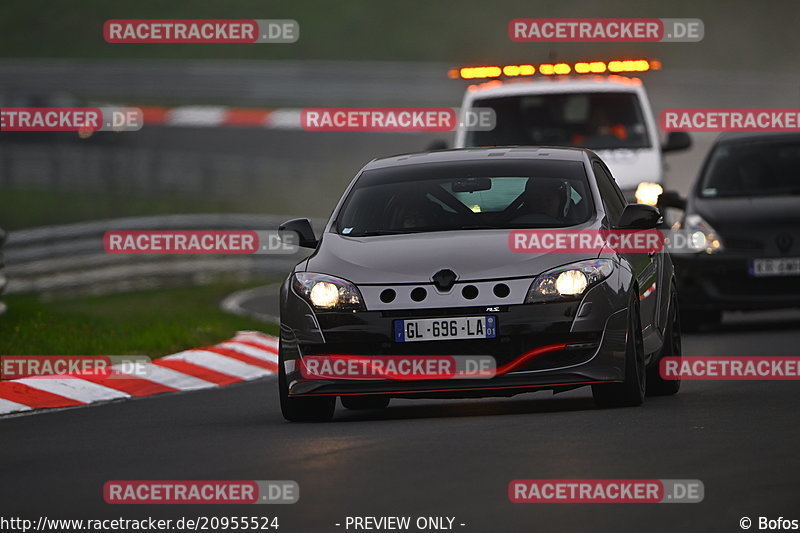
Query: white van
{"points": [[610, 115]]}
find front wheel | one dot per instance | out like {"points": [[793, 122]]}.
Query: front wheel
{"points": [[630, 392], [319, 409], [656, 385]]}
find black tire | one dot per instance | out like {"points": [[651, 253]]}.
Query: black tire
{"points": [[630, 392], [365, 402], [692, 320], [319, 409], [656, 385]]}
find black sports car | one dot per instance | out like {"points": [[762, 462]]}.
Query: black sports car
{"points": [[745, 211], [415, 262]]}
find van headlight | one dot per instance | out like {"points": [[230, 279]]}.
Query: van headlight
{"points": [[647, 193], [702, 237], [326, 292], [569, 282]]}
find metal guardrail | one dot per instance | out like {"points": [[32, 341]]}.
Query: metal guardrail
{"points": [[71, 257], [3, 279]]}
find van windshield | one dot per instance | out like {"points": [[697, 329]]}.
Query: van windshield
{"points": [[597, 120]]}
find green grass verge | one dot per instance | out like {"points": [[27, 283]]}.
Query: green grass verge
{"points": [[154, 323], [21, 209], [743, 35]]}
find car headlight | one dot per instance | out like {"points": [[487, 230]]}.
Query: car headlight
{"points": [[702, 237], [647, 193], [569, 281], [327, 292]]}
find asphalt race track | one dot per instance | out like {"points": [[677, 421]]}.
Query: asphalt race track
{"points": [[434, 458], [438, 458]]}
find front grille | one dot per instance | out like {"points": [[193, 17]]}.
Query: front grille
{"points": [[437, 312], [503, 349], [751, 286], [737, 243]]}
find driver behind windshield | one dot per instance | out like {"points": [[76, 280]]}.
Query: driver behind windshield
{"points": [[545, 201]]}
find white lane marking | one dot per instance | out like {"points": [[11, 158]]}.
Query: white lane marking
{"points": [[252, 351], [222, 364], [74, 389], [7, 406], [177, 380]]}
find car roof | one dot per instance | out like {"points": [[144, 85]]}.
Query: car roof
{"points": [[557, 84], [541, 153], [730, 138]]}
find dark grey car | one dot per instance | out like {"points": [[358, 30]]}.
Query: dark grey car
{"points": [[745, 206], [418, 249]]}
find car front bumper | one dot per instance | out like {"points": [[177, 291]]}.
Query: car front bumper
{"points": [[723, 282], [581, 342]]}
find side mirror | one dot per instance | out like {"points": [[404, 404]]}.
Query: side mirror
{"points": [[671, 199], [438, 144], [639, 216], [677, 141], [301, 226]]}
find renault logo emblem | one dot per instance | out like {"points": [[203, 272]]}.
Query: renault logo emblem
{"points": [[444, 279], [784, 242]]}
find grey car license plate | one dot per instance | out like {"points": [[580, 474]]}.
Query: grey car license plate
{"points": [[440, 329], [786, 266]]}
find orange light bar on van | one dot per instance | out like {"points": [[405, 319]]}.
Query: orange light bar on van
{"points": [[617, 66]]}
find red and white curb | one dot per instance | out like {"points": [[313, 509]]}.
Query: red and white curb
{"points": [[197, 116], [222, 116], [247, 356]]}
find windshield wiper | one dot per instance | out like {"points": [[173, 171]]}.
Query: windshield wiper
{"points": [[381, 232]]}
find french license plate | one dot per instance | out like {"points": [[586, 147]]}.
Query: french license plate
{"points": [[788, 266], [441, 329]]}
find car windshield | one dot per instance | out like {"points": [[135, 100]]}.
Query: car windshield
{"points": [[598, 121], [466, 195], [752, 169]]}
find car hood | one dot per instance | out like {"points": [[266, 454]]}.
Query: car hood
{"points": [[630, 167], [751, 214], [414, 258], [756, 222]]}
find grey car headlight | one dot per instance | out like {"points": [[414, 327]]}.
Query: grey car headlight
{"points": [[569, 282], [326, 292], [703, 238]]}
